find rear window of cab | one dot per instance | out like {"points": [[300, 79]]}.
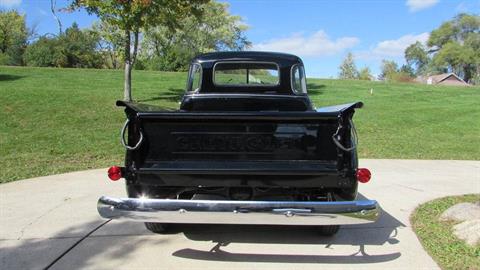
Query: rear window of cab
{"points": [[246, 74]]}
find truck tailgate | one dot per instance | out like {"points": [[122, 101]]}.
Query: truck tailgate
{"points": [[295, 143]]}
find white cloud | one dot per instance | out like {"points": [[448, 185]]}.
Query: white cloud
{"points": [[316, 44], [10, 3], [417, 5], [393, 48]]}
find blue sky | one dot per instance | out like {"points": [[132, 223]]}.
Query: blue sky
{"points": [[321, 32]]}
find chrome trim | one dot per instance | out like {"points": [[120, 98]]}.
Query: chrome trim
{"points": [[239, 212], [190, 79], [246, 85], [304, 77]]}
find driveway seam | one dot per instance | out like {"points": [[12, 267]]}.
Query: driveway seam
{"points": [[75, 244]]}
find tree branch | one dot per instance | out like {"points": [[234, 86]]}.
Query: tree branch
{"points": [[53, 3]]}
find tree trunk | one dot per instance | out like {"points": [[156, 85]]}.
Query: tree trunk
{"points": [[135, 46], [467, 73], [127, 90], [127, 93]]}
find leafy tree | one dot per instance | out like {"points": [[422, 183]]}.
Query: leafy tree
{"points": [[365, 74], [456, 58], [348, 69], [77, 48], [42, 53], [13, 37], [110, 43], [389, 69], [216, 30], [455, 46], [458, 29], [407, 70], [452, 47], [416, 55], [134, 16], [73, 48]]}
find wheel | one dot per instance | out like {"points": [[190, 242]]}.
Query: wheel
{"points": [[328, 230], [136, 191], [157, 227]]}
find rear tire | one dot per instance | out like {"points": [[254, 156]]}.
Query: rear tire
{"points": [[136, 191], [328, 230], [157, 227]]}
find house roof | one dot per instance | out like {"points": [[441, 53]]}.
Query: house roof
{"points": [[442, 77]]}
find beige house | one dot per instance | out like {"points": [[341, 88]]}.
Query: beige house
{"points": [[443, 79]]}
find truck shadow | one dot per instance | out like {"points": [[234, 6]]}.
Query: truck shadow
{"points": [[384, 231], [123, 240]]}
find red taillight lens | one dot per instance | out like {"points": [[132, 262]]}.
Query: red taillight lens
{"points": [[363, 175], [114, 173]]}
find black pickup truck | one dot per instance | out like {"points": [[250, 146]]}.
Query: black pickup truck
{"points": [[246, 146]]}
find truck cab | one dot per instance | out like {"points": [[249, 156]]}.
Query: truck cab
{"points": [[246, 81]]}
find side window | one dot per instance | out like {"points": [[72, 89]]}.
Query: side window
{"points": [[299, 84], [194, 77]]}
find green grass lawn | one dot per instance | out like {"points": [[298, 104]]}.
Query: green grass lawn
{"points": [[437, 237], [60, 120]]}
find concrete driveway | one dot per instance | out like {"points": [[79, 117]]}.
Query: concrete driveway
{"points": [[52, 222]]}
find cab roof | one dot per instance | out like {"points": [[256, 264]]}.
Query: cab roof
{"points": [[283, 59]]}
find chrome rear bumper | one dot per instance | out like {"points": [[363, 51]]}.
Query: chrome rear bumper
{"points": [[239, 212]]}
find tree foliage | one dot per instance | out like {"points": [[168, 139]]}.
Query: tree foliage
{"points": [[73, 48], [416, 55], [166, 44], [407, 70], [216, 30], [13, 37], [456, 46], [460, 28], [365, 74], [388, 70], [452, 47], [391, 72], [42, 53], [110, 43], [134, 16], [348, 69]]}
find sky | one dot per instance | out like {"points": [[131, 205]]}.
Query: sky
{"points": [[320, 32]]}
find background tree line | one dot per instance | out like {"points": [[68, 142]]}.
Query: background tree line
{"points": [[160, 46], [453, 47]]}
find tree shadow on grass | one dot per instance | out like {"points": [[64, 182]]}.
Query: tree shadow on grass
{"points": [[172, 95], [9, 77], [382, 232], [315, 89]]}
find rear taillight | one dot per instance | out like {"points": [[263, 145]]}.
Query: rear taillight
{"points": [[114, 173], [363, 175]]}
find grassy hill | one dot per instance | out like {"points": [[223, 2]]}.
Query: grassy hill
{"points": [[59, 120]]}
